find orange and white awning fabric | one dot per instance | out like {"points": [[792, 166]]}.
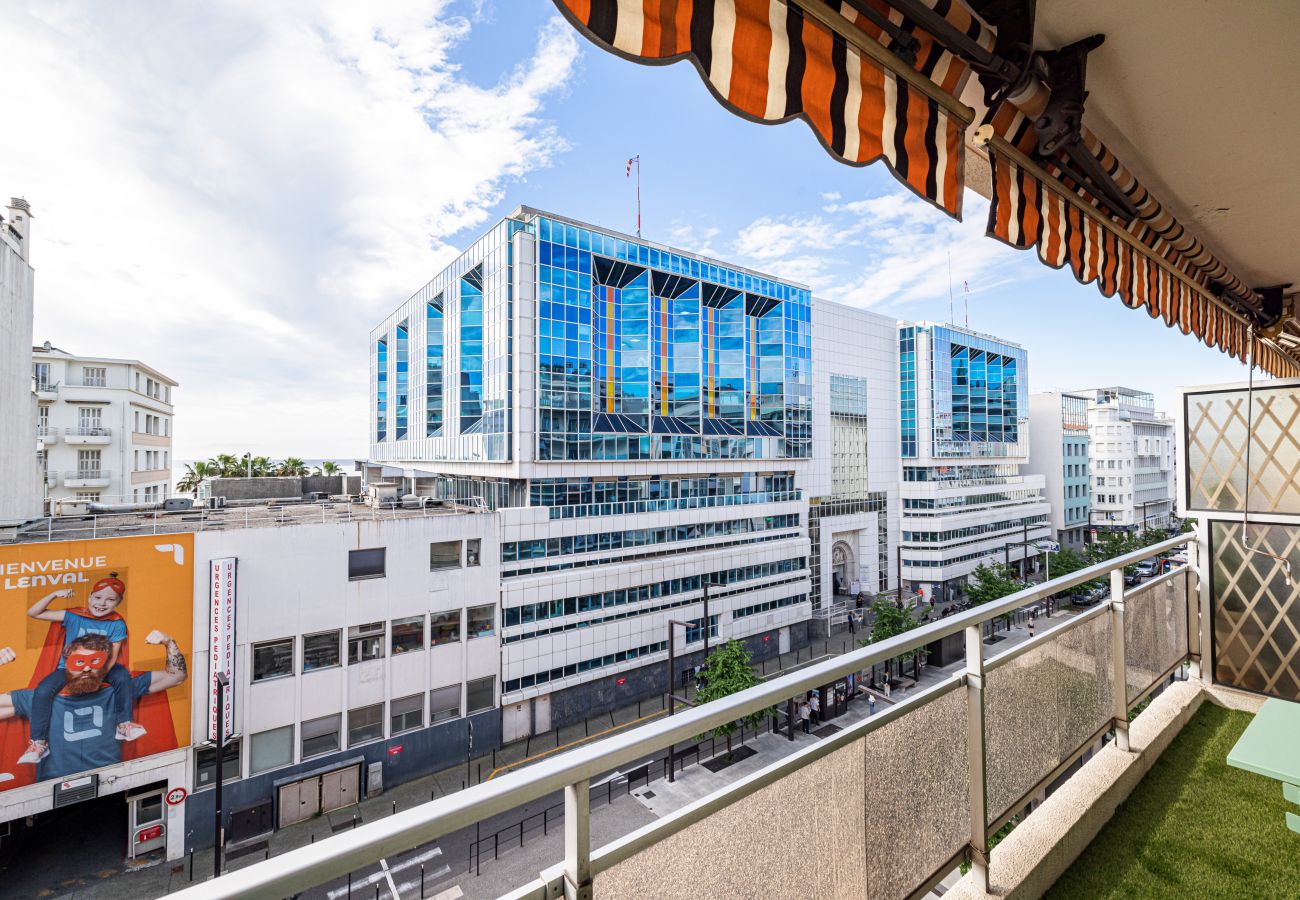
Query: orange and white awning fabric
{"points": [[1152, 263], [776, 60]]}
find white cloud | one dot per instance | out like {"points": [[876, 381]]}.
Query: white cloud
{"points": [[880, 251], [695, 238], [235, 193]]}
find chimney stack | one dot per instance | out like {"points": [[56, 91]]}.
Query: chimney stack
{"points": [[20, 215]]}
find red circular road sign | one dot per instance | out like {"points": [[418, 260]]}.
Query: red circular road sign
{"points": [[176, 796]]}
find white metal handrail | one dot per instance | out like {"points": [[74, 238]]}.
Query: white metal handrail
{"points": [[571, 771]]}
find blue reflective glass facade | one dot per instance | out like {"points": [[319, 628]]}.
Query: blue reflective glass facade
{"points": [[403, 383], [381, 389], [978, 390], [907, 390], [433, 327], [643, 353], [471, 349]]}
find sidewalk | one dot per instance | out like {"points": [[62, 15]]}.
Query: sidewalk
{"points": [[445, 862]]}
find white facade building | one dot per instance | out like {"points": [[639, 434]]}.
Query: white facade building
{"points": [[1058, 451], [106, 427], [364, 643], [1131, 456], [20, 469], [963, 407], [853, 483]]}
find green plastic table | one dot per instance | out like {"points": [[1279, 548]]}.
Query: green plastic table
{"points": [[1270, 746]]}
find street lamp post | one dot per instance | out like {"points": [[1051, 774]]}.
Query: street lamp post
{"points": [[672, 698], [220, 831]]}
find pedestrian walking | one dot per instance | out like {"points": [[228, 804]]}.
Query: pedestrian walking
{"points": [[871, 705], [816, 705], [1031, 624], [805, 712], [853, 623], [887, 697]]}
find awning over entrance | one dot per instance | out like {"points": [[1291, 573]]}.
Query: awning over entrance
{"points": [[890, 80]]}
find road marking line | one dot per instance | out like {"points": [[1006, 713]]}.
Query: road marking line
{"points": [[376, 877], [392, 885]]}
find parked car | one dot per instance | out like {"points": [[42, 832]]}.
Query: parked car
{"points": [[1146, 568]]}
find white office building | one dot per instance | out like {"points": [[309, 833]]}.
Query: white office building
{"points": [[853, 482], [105, 426], [1131, 455], [1058, 451], [963, 405], [20, 467]]}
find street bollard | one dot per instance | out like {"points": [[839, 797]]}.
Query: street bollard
{"points": [[421, 881], [349, 886], [394, 807], [191, 865]]}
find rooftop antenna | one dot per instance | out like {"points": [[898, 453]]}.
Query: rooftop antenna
{"points": [[1245, 506], [965, 288]]}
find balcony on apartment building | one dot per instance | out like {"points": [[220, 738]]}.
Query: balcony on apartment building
{"points": [[95, 435], [81, 478]]}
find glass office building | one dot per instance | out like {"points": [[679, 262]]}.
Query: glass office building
{"points": [[963, 416], [635, 418], [640, 353]]}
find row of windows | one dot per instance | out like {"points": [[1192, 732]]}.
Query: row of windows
{"points": [[567, 606], [322, 649], [940, 537], [950, 503], [520, 551], [586, 665], [629, 557], [371, 562], [274, 748], [770, 605]]}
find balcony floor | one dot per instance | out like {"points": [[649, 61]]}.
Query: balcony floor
{"points": [[1194, 827]]}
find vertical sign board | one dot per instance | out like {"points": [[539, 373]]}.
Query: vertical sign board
{"points": [[221, 637]]}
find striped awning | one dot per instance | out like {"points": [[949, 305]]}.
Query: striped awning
{"points": [[837, 66], [776, 60], [1151, 263]]}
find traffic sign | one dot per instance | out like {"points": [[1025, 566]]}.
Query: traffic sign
{"points": [[176, 796]]}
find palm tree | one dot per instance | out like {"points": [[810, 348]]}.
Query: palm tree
{"points": [[292, 465], [195, 474], [331, 468], [227, 465], [262, 466]]}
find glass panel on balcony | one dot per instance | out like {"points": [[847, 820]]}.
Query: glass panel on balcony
{"points": [[876, 818], [1216, 450], [1155, 630], [1256, 611], [1042, 706]]}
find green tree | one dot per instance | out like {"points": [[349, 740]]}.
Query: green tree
{"points": [[195, 474], [292, 465], [727, 671], [329, 467], [991, 583], [889, 620]]}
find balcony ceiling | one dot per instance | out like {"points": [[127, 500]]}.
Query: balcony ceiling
{"points": [[1199, 101]]}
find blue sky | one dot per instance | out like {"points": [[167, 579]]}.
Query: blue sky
{"points": [[241, 198]]}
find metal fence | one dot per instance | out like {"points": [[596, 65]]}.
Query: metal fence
{"points": [[919, 787]]}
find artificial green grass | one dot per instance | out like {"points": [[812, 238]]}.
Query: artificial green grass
{"points": [[1194, 828]]}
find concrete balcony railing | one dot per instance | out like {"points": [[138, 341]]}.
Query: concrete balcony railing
{"points": [[886, 807], [47, 435], [86, 478], [47, 390], [88, 434]]}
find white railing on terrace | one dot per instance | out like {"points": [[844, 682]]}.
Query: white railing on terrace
{"points": [[109, 524], [89, 431], [912, 791]]}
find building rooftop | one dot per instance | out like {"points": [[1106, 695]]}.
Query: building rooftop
{"points": [[50, 349], [259, 515]]}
